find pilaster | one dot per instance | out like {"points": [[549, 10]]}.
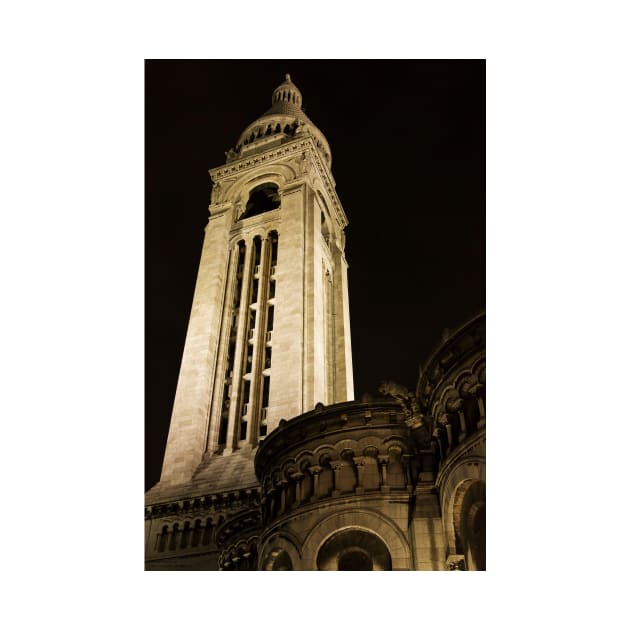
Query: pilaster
{"points": [[426, 530], [189, 421]]}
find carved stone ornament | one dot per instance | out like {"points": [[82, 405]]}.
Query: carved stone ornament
{"points": [[453, 404], [470, 386], [407, 399], [456, 563]]}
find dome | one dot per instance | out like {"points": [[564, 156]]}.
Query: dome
{"points": [[282, 122], [286, 97]]}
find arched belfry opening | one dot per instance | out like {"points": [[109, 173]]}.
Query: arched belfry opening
{"points": [[263, 198]]}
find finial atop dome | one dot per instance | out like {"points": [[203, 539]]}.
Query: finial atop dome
{"points": [[287, 94]]}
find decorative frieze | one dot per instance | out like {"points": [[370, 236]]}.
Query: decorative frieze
{"points": [[306, 147]]}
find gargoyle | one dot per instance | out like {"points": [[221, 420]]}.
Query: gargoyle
{"points": [[414, 418]]}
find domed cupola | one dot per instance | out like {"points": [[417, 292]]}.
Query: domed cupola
{"points": [[286, 93], [283, 122]]}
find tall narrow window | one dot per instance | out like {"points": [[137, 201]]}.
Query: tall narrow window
{"points": [[244, 410], [196, 538], [207, 533], [274, 248], [257, 247], [249, 359], [163, 538], [185, 536], [270, 318], [225, 409], [239, 274], [251, 325], [265, 405], [174, 538]]}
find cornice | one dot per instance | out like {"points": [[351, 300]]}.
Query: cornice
{"points": [[248, 163], [364, 503], [203, 504]]}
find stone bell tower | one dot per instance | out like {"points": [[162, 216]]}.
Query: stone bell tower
{"points": [[269, 331]]}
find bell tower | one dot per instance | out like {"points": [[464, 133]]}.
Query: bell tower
{"points": [[269, 330]]}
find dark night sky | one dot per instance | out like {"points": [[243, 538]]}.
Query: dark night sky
{"points": [[408, 156]]}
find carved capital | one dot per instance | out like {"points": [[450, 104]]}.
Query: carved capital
{"points": [[470, 387], [415, 421], [454, 404]]}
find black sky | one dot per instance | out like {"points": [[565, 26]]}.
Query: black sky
{"points": [[408, 156]]}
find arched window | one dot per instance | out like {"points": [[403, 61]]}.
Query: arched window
{"points": [[196, 538], [354, 550], [355, 560], [185, 535], [174, 538], [163, 538], [278, 560]]}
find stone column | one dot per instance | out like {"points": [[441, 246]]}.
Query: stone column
{"points": [[282, 485], [297, 477], [246, 556], [336, 467], [383, 460], [271, 500], [360, 464], [315, 472], [482, 413], [443, 420], [406, 464], [462, 424]]}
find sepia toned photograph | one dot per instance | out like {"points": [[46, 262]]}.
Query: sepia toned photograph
{"points": [[315, 375]]}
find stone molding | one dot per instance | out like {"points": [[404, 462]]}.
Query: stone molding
{"points": [[462, 454], [197, 506], [453, 354], [370, 521], [304, 144]]}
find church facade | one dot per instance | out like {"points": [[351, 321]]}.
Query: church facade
{"points": [[269, 463]]}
